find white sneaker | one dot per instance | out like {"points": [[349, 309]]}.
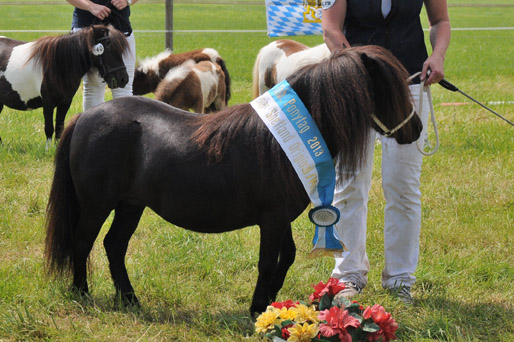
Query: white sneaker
{"points": [[403, 293], [350, 290]]}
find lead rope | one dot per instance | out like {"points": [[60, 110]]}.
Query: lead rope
{"points": [[422, 89]]}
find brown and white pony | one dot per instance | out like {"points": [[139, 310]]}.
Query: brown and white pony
{"points": [[152, 70], [47, 72], [197, 86], [282, 58]]}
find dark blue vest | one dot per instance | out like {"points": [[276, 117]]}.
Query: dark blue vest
{"points": [[400, 32], [118, 19]]}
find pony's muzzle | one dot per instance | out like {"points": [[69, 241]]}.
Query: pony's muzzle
{"points": [[119, 79]]}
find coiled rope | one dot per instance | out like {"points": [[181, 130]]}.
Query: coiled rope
{"points": [[423, 89]]}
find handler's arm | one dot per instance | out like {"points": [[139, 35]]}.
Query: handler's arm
{"points": [[440, 33], [332, 24]]}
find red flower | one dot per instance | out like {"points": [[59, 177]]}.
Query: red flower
{"points": [[287, 304], [285, 332], [337, 322], [383, 319], [332, 287]]}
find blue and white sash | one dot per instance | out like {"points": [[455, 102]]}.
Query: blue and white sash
{"points": [[289, 121]]}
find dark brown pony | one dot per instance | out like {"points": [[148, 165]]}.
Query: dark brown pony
{"points": [[211, 173], [47, 72], [151, 71]]}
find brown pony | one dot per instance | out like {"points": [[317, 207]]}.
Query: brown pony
{"points": [[47, 72], [197, 86], [151, 71], [212, 173]]}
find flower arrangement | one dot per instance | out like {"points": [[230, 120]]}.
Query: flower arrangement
{"points": [[326, 319]]}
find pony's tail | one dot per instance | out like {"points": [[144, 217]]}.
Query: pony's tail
{"points": [[62, 210], [223, 67], [255, 77]]}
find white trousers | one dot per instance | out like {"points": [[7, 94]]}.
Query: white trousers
{"points": [[94, 85], [401, 169]]}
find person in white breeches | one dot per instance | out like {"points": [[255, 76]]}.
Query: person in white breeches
{"points": [[401, 169], [396, 26]]}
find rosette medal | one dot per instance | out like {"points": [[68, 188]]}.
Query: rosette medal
{"points": [[291, 124], [324, 216]]}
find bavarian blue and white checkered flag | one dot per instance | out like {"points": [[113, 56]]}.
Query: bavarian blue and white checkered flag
{"points": [[293, 17]]}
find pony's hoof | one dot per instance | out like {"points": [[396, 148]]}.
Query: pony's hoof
{"points": [[130, 300], [256, 310]]}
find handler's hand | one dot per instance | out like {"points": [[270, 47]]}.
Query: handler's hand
{"points": [[100, 11], [436, 66], [119, 4]]}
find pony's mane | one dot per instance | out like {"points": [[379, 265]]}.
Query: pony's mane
{"points": [[215, 132], [71, 54], [341, 94], [152, 63]]}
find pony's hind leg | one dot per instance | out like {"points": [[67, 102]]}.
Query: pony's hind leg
{"points": [[88, 226], [126, 219]]}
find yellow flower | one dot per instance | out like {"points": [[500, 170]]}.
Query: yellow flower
{"points": [[303, 333], [305, 313], [267, 320], [288, 314]]}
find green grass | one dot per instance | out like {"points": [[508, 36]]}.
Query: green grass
{"points": [[197, 287]]}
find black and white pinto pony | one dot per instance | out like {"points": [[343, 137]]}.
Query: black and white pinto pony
{"points": [[47, 72], [178, 81], [211, 173], [282, 58]]}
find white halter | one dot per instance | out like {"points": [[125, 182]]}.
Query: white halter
{"points": [[388, 132]]}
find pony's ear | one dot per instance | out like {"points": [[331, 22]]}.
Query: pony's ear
{"points": [[370, 63], [100, 31]]}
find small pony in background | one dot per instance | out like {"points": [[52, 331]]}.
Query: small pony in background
{"points": [[282, 58], [47, 72], [197, 86], [179, 73]]}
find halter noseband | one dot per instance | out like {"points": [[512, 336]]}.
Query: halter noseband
{"points": [[388, 132]]}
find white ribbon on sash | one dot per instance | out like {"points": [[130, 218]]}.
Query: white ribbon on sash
{"points": [[289, 121]]}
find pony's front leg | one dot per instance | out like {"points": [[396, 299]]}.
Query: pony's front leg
{"points": [[273, 229], [48, 112], [285, 260], [62, 110], [1, 107]]}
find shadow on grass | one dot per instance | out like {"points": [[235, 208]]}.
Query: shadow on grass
{"points": [[442, 319], [203, 319]]}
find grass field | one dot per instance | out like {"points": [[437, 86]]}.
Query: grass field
{"points": [[197, 287]]}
